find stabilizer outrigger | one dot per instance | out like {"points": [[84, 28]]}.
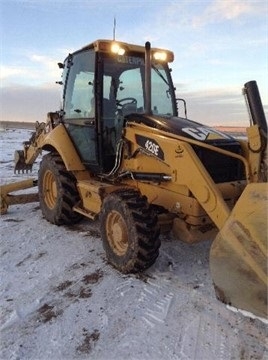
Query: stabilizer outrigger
{"points": [[7, 199], [10, 194]]}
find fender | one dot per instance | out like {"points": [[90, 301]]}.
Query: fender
{"points": [[59, 139]]}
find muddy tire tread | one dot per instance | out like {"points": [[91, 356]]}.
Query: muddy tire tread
{"points": [[147, 242], [63, 213]]}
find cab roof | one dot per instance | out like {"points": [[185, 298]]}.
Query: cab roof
{"points": [[103, 45]]}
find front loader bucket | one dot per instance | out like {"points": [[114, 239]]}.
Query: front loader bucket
{"points": [[238, 256]]}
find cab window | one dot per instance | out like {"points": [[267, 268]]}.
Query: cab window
{"points": [[79, 96]]}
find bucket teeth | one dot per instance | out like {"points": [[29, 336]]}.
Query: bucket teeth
{"points": [[20, 165]]}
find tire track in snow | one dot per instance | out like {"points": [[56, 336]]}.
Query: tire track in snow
{"points": [[155, 303], [202, 339]]}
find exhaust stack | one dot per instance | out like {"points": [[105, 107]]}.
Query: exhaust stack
{"points": [[254, 104], [148, 82]]}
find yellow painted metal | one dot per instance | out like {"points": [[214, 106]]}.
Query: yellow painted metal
{"points": [[105, 46], [192, 234], [25, 158], [50, 191], [238, 256], [197, 205], [59, 139], [47, 137], [117, 232], [91, 194], [172, 149], [191, 187], [255, 153], [7, 199]]}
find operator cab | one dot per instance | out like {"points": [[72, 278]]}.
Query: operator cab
{"points": [[104, 82]]}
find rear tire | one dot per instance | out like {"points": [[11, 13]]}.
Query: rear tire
{"points": [[129, 231], [57, 191]]}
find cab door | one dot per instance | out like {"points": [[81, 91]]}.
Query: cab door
{"points": [[79, 114]]}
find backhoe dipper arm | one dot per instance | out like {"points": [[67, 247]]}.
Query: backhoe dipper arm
{"points": [[25, 158]]}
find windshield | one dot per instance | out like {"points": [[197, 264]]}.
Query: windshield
{"points": [[124, 82]]}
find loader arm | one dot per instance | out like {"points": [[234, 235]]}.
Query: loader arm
{"points": [[238, 256], [256, 148], [202, 187]]}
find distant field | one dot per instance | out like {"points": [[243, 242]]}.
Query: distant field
{"points": [[4, 125], [233, 130]]}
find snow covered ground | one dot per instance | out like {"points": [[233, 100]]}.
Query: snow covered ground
{"points": [[61, 300]]}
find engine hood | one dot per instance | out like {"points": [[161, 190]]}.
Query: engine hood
{"points": [[183, 127]]}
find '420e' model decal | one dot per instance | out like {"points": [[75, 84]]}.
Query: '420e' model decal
{"points": [[150, 145], [204, 133]]}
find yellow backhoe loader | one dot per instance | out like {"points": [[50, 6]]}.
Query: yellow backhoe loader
{"points": [[118, 149]]}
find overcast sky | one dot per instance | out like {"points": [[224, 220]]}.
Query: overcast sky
{"points": [[218, 45]]}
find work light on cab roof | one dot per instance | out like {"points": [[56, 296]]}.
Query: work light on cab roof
{"points": [[160, 55], [117, 49]]}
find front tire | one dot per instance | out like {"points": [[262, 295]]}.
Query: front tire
{"points": [[129, 231], [57, 191]]}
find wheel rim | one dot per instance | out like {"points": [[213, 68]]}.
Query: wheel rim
{"points": [[50, 191], [117, 232]]}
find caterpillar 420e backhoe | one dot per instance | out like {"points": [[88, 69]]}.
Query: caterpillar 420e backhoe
{"points": [[119, 150]]}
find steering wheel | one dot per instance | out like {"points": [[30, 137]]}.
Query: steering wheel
{"points": [[127, 100]]}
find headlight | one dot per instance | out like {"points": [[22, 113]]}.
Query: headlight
{"points": [[162, 56], [116, 49]]}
